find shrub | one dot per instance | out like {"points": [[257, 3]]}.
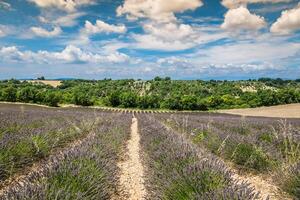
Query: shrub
{"points": [[251, 157]]}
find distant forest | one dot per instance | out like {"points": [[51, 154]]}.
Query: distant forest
{"points": [[159, 93]]}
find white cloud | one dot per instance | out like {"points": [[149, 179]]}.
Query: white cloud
{"points": [[288, 22], [66, 5], [5, 5], [248, 52], [158, 10], [172, 37], [2, 34], [41, 32], [162, 37], [241, 19], [234, 59], [67, 20], [70, 54], [99, 27], [153, 43], [102, 27], [167, 31], [6, 30], [238, 3]]}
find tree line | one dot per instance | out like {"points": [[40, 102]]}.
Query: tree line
{"points": [[159, 93]]}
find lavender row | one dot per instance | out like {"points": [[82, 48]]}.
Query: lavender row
{"points": [[177, 169], [87, 170], [260, 145]]}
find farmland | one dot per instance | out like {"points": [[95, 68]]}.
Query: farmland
{"points": [[89, 153], [52, 83], [283, 111]]}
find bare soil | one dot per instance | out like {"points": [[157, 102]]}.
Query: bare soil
{"points": [[282, 111], [132, 171], [262, 183]]}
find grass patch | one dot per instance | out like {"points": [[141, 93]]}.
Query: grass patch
{"points": [[266, 138]]}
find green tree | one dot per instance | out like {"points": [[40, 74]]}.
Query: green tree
{"points": [[114, 99], [128, 100], [9, 94], [189, 102], [51, 98], [27, 94]]}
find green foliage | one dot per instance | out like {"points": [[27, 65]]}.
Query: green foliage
{"points": [[9, 94], [251, 157], [114, 99], [128, 100], [80, 97], [41, 78], [157, 93], [291, 184], [266, 137], [200, 136], [51, 98]]}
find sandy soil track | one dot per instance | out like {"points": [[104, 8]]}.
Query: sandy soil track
{"points": [[53, 83], [132, 171], [283, 111]]}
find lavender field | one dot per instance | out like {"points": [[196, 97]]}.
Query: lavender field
{"points": [[87, 153]]}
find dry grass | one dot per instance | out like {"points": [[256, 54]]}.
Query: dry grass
{"points": [[47, 82], [283, 111]]}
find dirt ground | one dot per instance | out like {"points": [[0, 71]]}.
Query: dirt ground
{"points": [[47, 82], [132, 171], [283, 111]]}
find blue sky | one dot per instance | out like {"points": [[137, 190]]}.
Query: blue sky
{"points": [[184, 39]]}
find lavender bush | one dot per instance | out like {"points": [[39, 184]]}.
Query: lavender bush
{"points": [[86, 170], [259, 144], [176, 169]]}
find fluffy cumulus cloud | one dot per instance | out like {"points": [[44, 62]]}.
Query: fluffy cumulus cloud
{"points": [[159, 10], [288, 22], [166, 31], [241, 19], [99, 27], [70, 54], [238, 3], [41, 32], [66, 5], [162, 37], [102, 27], [173, 37]]}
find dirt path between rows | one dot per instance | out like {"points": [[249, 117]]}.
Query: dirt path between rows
{"points": [[132, 170], [262, 184]]}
